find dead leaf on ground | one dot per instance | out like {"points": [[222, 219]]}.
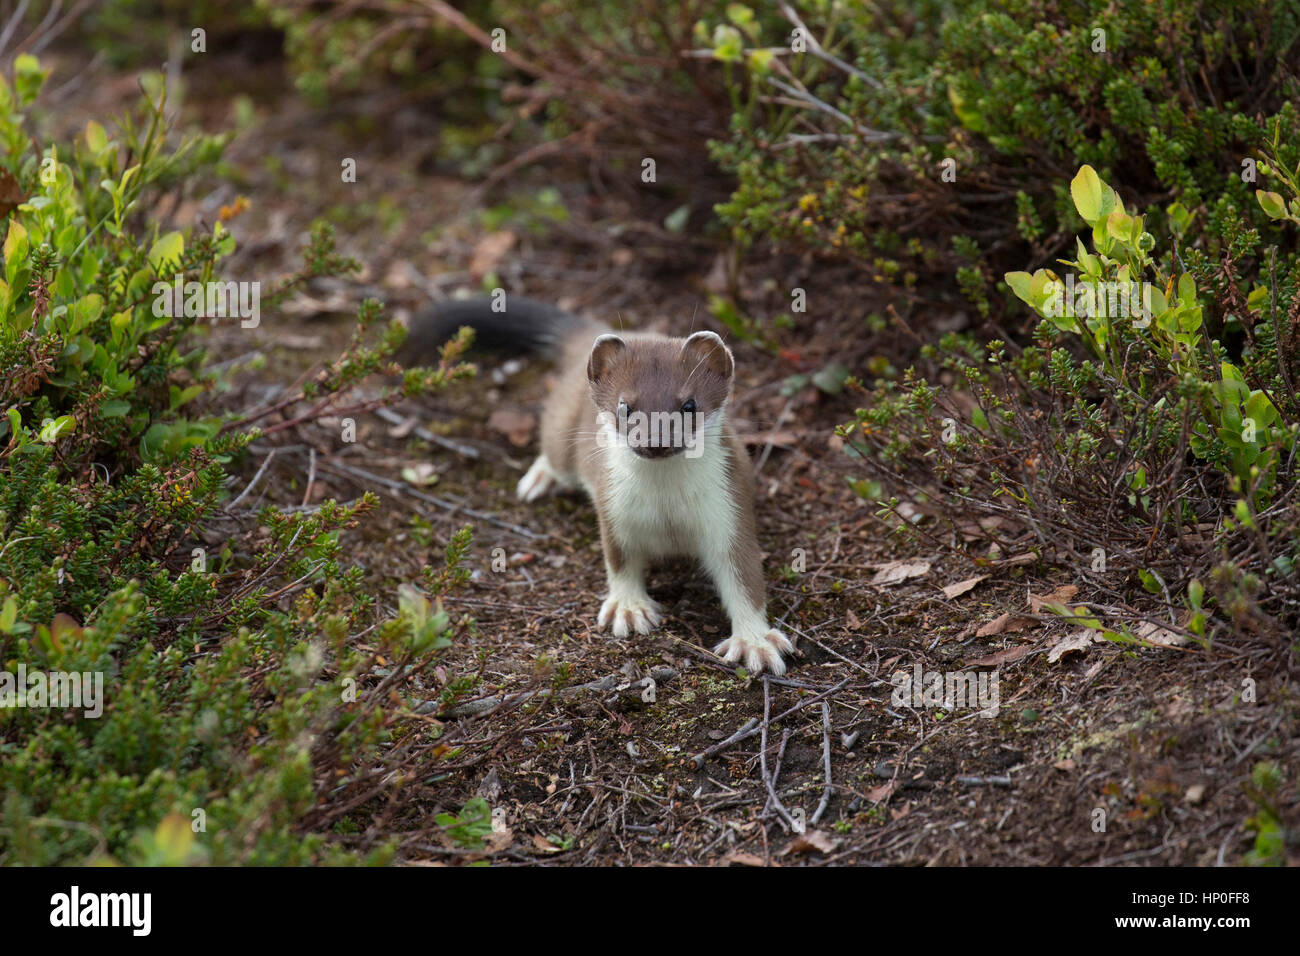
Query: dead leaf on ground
{"points": [[499, 840], [489, 252], [961, 587], [404, 428], [1160, 636], [910, 512], [999, 658], [1005, 624], [896, 571], [814, 841], [741, 858], [421, 474], [1060, 596], [1079, 640], [544, 845], [881, 793], [517, 426]]}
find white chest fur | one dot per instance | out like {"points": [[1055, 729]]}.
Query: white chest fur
{"points": [[669, 506]]}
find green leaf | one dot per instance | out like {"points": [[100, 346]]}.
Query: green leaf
{"points": [[1019, 283], [1151, 581], [831, 379], [52, 429], [1273, 205], [15, 247], [1087, 190], [728, 45], [1261, 409], [28, 78], [677, 219], [167, 251], [96, 138]]}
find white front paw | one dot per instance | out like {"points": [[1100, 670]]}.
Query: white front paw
{"points": [[758, 652], [539, 480], [626, 613]]}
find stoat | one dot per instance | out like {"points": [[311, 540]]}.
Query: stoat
{"points": [[639, 422]]}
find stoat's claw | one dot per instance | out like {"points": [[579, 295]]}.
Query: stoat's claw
{"points": [[628, 613], [759, 653]]}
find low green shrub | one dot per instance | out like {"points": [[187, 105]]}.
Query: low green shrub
{"points": [[242, 719], [922, 139], [1127, 437]]}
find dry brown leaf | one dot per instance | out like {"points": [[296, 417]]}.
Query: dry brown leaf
{"points": [[489, 252], [896, 571], [851, 619], [1080, 640], [1160, 636], [517, 426], [1060, 596], [499, 840], [1005, 624], [544, 845], [881, 793], [741, 858], [961, 587], [999, 658], [814, 841], [404, 427]]}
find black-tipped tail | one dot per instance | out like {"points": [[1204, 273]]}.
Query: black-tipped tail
{"points": [[522, 326]]}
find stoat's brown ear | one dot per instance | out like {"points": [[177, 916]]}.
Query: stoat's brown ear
{"points": [[604, 352], [705, 350]]}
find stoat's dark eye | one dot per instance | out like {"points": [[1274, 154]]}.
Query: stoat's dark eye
{"points": [[688, 407]]}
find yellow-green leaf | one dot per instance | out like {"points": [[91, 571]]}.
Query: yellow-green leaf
{"points": [[1273, 205], [1019, 282], [1087, 191], [167, 251], [15, 241], [96, 138]]}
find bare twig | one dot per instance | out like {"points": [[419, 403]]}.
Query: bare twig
{"points": [[826, 760]]}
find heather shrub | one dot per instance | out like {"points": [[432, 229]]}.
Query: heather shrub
{"points": [[240, 719]]}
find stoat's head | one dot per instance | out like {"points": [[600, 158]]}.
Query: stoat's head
{"points": [[659, 397]]}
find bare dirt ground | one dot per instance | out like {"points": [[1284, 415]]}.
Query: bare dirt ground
{"points": [[1103, 755]]}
